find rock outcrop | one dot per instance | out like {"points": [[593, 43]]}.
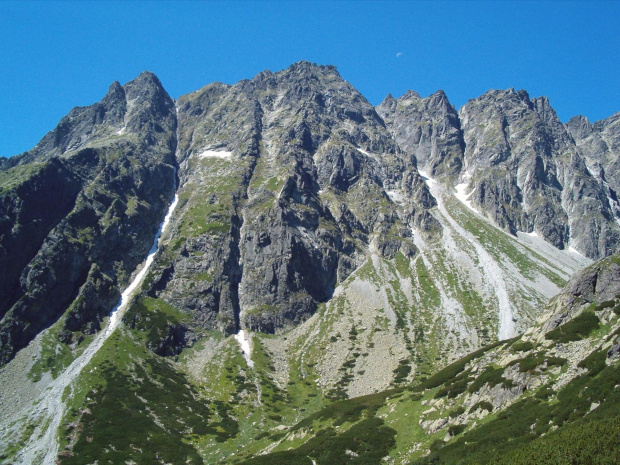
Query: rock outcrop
{"points": [[283, 183], [526, 174], [430, 129], [79, 211], [600, 144]]}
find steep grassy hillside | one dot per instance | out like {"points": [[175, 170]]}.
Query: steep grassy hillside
{"points": [[549, 396]]}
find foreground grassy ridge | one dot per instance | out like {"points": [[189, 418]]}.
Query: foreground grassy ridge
{"points": [[131, 405], [527, 422], [232, 413], [596, 442], [542, 424]]}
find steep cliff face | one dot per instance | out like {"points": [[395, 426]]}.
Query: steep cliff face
{"points": [[512, 159], [79, 211], [430, 129], [524, 171], [284, 182], [600, 144]]}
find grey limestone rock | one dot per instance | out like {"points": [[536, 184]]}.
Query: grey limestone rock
{"points": [[526, 174], [308, 161], [428, 128], [79, 211], [600, 145], [597, 283]]}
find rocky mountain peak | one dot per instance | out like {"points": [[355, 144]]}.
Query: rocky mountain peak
{"points": [[429, 129], [107, 170], [524, 165], [579, 127], [409, 95], [307, 68], [303, 146], [439, 97], [115, 92]]}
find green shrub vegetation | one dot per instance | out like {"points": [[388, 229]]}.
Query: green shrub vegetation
{"points": [[482, 405], [522, 346], [491, 376], [455, 430], [576, 329], [455, 368], [366, 442], [592, 443], [153, 319], [528, 424]]}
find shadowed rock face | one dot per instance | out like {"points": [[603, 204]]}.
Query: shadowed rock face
{"points": [[79, 211], [287, 183], [283, 188]]}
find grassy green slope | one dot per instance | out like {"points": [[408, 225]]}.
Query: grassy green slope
{"points": [[513, 402]]}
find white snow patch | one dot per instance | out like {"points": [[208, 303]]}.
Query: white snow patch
{"points": [[395, 197], [215, 154], [531, 234], [574, 250], [429, 181], [368, 154], [461, 193], [243, 338], [117, 312], [121, 131]]}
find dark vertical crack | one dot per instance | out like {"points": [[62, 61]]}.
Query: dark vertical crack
{"points": [[236, 267]]}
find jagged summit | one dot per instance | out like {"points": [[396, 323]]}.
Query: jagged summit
{"points": [[352, 250], [81, 211]]}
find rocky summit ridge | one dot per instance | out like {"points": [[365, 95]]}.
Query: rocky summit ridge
{"points": [[352, 250]]}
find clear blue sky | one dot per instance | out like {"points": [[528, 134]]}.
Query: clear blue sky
{"points": [[57, 55]]}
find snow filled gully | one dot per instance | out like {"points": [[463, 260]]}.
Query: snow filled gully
{"points": [[244, 341], [42, 447]]}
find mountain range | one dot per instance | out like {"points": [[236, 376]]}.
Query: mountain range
{"points": [[276, 271]]}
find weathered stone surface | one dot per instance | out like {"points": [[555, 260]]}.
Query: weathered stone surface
{"points": [[597, 283], [428, 128], [526, 174], [80, 210], [293, 167], [600, 145]]}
